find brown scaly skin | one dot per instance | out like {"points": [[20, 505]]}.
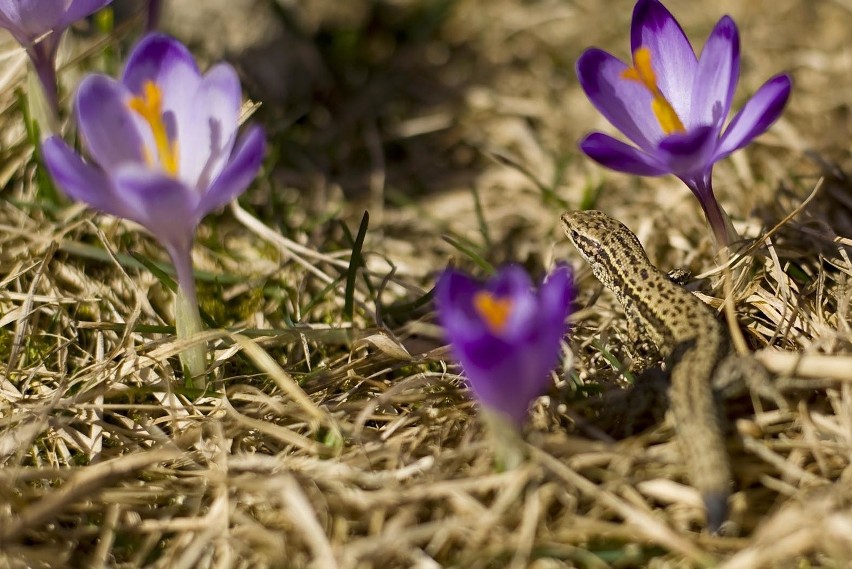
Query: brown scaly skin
{"points": [[686, 333]]}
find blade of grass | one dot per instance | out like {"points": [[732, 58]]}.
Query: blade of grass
{"points": [[548, 192], [608, 356], [320, 296], [351, 242], [403, 308], [480, 218], [356, 261], [469, 252], [550, 196], [130, 262], [591, 193], [156, 270], [342, 336]]}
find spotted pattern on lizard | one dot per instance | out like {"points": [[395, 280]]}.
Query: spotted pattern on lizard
{"points": [[687, 335]]}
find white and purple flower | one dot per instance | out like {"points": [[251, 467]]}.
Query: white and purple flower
{"points": [[163, 147], [505, 334], [673, 105], [38, 26]]}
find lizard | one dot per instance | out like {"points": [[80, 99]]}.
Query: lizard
{"points": [[685, 332]]}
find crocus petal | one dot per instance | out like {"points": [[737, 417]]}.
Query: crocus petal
{"points": [[716, 77], [238, 173], [554, 300], [556, 294], [112, 132], [514, 284], [507, 374], [542, 345], [29, 19], [497, 376], [689, 153], [79, 9], [168, 64], [626, 104], [162, 60], [672, 56], [454, 293], [756, 116], [481, 355], [619, 156], [10, 14], [512, 280], [208, 131], [165, 206], [80, 181]]}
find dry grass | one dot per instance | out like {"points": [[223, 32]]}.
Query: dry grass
{"points": [[351, 442]]}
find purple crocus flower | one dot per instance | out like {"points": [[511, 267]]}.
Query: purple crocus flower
{"points": [[673, 106], [38, 27], [164, 149], [505, 335]]}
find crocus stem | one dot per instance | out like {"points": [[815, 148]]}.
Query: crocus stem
{"points": [[43, 57], [188, 319], [509, 448], [720, 223], [155, 9], [188, 323]]}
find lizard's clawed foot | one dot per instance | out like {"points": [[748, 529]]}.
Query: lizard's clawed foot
{"points": [[679, 275], [737, 373]]}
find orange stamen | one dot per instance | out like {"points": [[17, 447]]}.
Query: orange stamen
{"points": [[150, 107], [494, 311], [643, 72]]}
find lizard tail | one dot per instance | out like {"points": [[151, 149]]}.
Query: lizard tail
{"points": [[707, 465], [716, 505], [700, 436]]}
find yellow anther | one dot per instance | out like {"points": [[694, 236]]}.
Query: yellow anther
{"points": [[494, 311], [666, 116], [643, 72], [150, 107]]}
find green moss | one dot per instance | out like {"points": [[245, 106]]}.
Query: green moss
{"points": [[249, 304]]}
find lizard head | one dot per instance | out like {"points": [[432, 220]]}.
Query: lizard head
{"points": [[591, 231], [602, 240]]}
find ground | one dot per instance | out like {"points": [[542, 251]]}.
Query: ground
{"points": [[338, 431]]}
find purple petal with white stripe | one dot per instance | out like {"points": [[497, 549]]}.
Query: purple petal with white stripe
{"points": [[654, 27], [624, 103], [716, 77], [114, 135], [616, 155], [757, 115], [81, 181]]}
